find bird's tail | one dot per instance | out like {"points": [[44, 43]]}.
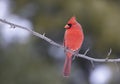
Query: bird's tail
{"points": [[67, 65]]}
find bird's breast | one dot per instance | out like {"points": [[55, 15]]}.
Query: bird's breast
{"points": [[73, 38]]}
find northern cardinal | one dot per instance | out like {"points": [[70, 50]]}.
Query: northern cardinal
{"points": [[73, 40]]}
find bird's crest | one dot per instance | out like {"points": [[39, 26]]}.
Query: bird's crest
{"points": [[72, 20]]}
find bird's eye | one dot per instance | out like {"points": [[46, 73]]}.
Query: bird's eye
{"points": [[69, 25]]}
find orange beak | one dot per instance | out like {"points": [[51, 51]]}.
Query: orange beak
{"points": [[66, 26]]}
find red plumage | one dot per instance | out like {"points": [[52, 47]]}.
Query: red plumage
{"points": [[73, 40]]}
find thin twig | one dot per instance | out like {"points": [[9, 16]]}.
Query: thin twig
{"points": [[108, 54], [86, 51], [43, 34], [56, 44]]}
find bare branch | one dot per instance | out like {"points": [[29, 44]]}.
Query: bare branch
{"points": [[56, 44]]}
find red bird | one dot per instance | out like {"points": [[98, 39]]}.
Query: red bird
{"points": [[73, 40]]}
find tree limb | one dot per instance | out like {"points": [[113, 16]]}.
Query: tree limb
{"points": [[42, 36]]}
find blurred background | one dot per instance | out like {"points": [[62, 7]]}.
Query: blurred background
{"points": [[27, 59]]}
